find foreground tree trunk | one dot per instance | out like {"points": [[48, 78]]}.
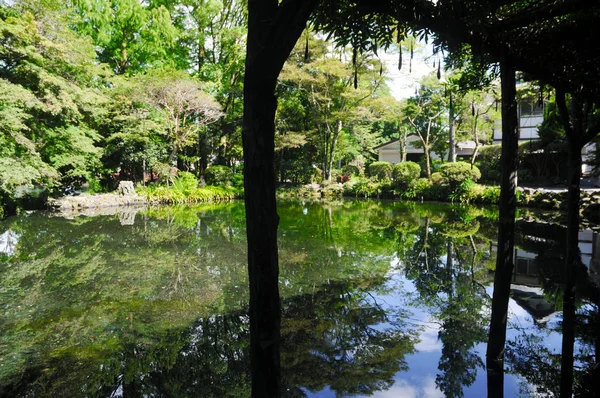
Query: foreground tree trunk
{"points": [[572, 263], [273, 29], [506, 232], [580, 128]]}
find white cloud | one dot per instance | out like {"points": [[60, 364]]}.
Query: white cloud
{"points": [[429, 338], [404, 389]]}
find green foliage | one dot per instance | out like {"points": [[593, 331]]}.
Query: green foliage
{"points": [[367, 189], [94, 186], [424, 116], [463, 192], [349, 171], [130, 35], [405, 174], [173, 195], [321, 117], [218, 175], [458, 172], [185, 182], [332, 191], [336, 175], [380, 170], [432, 191], [237, 181], [316, 175], [166, 173], [488, 162], [438, 179], [460, 229], [50, 103], [489, 195]]}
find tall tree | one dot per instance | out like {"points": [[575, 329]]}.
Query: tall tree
{"points": [[506, 229], [273, 29], [581, 122], [129, 35], [187, 108], [424, 113], [51, 104], [324, 85], [478, 119]]}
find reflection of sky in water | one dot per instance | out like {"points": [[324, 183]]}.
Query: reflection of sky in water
{"points": [[419, 379], [8, 242], [314, 251]]}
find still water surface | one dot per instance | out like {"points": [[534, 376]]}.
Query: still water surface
{"points": [[379, 299]]}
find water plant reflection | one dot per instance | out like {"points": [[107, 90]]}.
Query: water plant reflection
{"points": [[95, 307]]}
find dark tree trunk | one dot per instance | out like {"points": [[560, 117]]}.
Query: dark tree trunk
{"points": [[452, 134], [572, 263], [450, 267], [506, 232], [580, 129], [273, 29]]}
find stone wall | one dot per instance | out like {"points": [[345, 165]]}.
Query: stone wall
{"points": [[557, 199]]}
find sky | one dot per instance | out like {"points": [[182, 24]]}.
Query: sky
{"points": [[402, 82]]}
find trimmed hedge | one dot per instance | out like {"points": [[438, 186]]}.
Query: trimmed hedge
{"points": [[380, 170], [406, 174], [458, 172]]}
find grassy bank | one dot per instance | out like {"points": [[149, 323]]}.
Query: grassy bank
{"points": [[174, 195]]}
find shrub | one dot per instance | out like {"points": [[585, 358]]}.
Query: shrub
{"points": [[349, 171], [336, 175], [166, 173], [458, 172], [94, 185], [317, 175], [156, 194], [332, 191], [367, 189], [489, 162], [380, 170], [238, 180], [406, 174], [218, 176], [422, 184], [464, 192], [429, 190], [348, 189], [438, 179], [185, 182], [489, 195]]}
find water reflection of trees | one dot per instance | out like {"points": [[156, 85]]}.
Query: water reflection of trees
{"points": [[343, 338], [443, 261], [107, 307], [528, 354], [92, 305], [331, 338]]}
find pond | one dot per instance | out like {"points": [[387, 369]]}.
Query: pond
{"points": [[378, 299]]}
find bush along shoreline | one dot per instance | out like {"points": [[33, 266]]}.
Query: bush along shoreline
{"points": [[453, 182]]}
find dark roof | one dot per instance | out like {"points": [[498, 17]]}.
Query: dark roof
{"points": [[384, 144]]}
